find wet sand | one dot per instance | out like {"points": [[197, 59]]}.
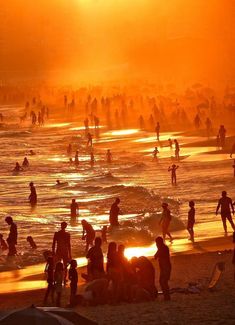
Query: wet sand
{"points": [[208, 307]]}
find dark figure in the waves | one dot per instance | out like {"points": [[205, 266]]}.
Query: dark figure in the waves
{"points": [[177, 150], [191, 220], [226, 205], [17, 167], [114, 213], [74, 209], [25, 162], [173, 169], [165, 221], [92, 159], [163, 256], [76, 158], [69, 150], [33, 195], [89, 139], [12, 237], [157, 129], [109, 156], [61, 247], [31, 242], [155, 153], [88, 234]]}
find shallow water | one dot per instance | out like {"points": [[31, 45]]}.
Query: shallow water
{"points": [[141, 183]]}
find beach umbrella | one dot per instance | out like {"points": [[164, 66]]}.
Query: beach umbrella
{"points": [[69, 314], [32, 316]]}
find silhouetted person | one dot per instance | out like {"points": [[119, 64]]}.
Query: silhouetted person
{"points": [[73, 277], [177, 150], [25, 162], [155, 153], [12, 237], [33, 194], [3, 244], [61, 247], [226, 205], [88, 234], [197, 121], [232, 150], [76, 158], [49, 270], [165, 221], [69, 150], [92, 159], [74, 209], [163, 257], [31, 242], [114, 213], [208, 127], [173, 169], [157, 129], [109, 156], [31, 152], [89, 139], [191, 220], [96, 260], [17, 167], [233, 168], [222, 135]]}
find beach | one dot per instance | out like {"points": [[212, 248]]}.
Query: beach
{"points": [[207, 307]]}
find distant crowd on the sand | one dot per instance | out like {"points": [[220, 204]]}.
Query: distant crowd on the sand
{"points": [[123, 280]]}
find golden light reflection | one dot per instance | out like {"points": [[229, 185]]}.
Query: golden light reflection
{"points": [[122, 132]]}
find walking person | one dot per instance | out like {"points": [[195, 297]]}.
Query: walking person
{"points": [[191, 220], [226, 205], [165, 222]]}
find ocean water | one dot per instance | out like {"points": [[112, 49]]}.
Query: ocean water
{"points": [[141, 183]]}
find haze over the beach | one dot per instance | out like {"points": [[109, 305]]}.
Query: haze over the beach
{"points": [[61, 41]]}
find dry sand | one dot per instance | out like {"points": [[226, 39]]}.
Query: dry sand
{"points": [[208, 307]]}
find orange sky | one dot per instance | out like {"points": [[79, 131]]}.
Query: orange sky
{"points": [[166, 40]]}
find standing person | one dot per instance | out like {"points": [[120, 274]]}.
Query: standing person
{"points": [[88, 234], [73, 277], [25, 162], [76, 158], [96, 260], [232, 150], [191, 220], [109, 156], [157, 129], [49, 269], [163, 256], [89, 139], [177, 150], [222, 135], [165, 222], [33, 195], [208, 127], [155, 152], [92, 159], [172, 169], [59, 275], [74, 209], [61, 247], [12, 237], [114, 213], [226, 205]]}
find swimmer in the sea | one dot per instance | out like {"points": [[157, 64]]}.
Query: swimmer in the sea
{"points": [[17, 167], [25, 162]]}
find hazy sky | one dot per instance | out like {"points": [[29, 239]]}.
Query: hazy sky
{"points": [[107, 39]]}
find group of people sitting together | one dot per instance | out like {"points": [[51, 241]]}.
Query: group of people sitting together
{"points": [[120, 280]]}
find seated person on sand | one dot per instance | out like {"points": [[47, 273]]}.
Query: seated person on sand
{"points": [[145, 274], [88, 234], [95, 266]]}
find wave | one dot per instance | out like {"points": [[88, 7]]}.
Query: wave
{"points": [[134, 168]]}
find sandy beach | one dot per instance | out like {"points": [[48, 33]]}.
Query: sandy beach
{"points": [[207, 307]]}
